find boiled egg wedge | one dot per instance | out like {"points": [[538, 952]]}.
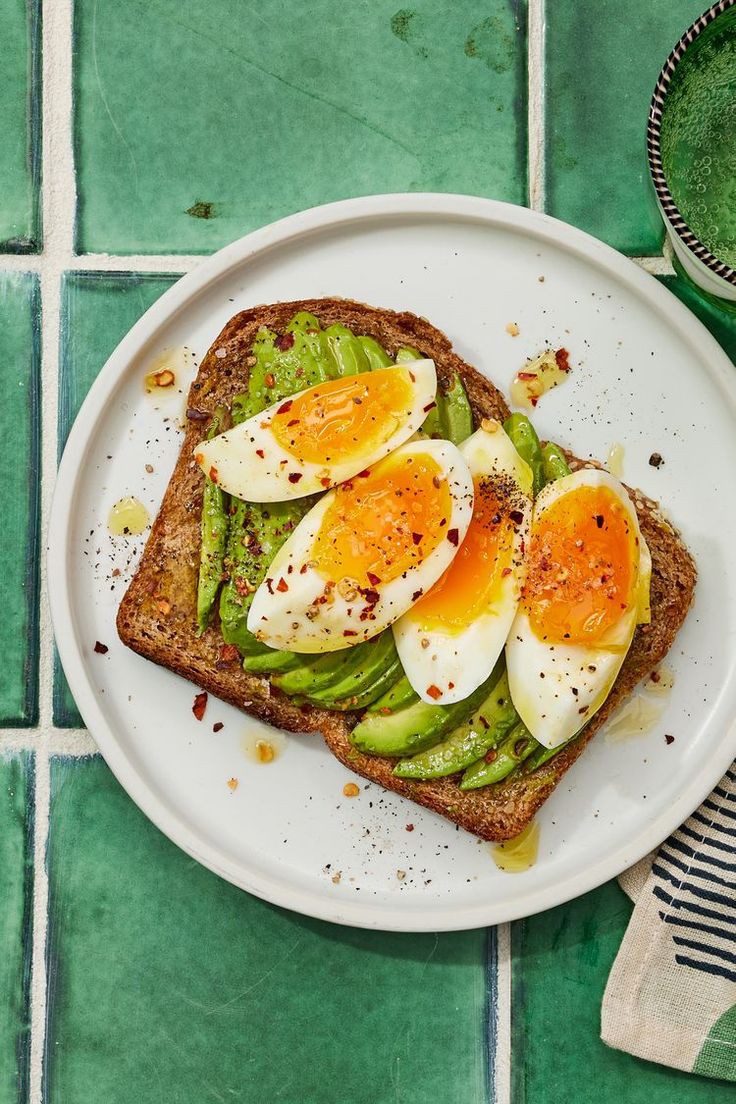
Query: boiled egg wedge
{"points": [[321, 436], [588, 571], [366, 551], [449, 640]]}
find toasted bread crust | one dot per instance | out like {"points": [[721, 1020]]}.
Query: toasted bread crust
{"points": [[166, 578]]}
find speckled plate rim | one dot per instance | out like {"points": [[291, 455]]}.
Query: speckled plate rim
{"points": [[301, 226], [654, 149]]}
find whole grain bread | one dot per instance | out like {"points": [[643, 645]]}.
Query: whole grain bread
{"points": [[157, 615]]}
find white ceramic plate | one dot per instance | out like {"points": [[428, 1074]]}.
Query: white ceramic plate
{"points": [[646, 374]]}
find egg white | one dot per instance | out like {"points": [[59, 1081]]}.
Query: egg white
{"points": [[456, 663], [280, 617], [249, 462], [557, 688]]}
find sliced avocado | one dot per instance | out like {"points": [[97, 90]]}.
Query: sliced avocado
{"points": [[388, 678], [400, 694], [456, 415], [257, 532], [471, 740], [315, 339], [416, 727], [375, 659], [316, 672], [346, 351], [271, 661], [407, 353], [377, 355]]}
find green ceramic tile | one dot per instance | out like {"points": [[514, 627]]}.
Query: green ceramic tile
{"points": [[97, 310], [169, 985], [16, 910], [602, 61], [561, 961], [20, 132], [192, 128], [720, 320], [19, 497]]}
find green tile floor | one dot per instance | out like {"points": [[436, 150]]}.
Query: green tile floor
{"points": [[154, 981], [191, 131], [20, 132], [16, 864], [19, 497]]}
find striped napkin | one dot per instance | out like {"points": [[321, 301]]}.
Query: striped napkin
{"points": [[671, 995]]}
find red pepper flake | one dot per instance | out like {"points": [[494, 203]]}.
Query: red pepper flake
{"points": [[199, 457], [534, 400], [269, 379], [213, 474], [417, 595], [453, 535], [269, 586], [218, 726], [506, 571], [526, 375], [229, 653], [200, 704], [285, 407], [349, 632], [410, 827], [325, 481], [491, 756], [363, 474], [484, 722], [429, 406], [260, 452], [293, 422], [669, 739], [294, 477], [417, 537], [285, 341], [451, 686], [655, 676], [373, 579], [372, 597], [282, 586], [434, 692], [303, 569], [562, 359], [101, 649]]}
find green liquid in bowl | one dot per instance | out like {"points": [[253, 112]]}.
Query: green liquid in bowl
{"points": [[698, 138]]}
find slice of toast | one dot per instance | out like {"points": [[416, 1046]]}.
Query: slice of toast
{"points": [[157, 616]]}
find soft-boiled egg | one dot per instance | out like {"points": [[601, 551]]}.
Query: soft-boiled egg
{"points": [[322, 436], [449, 640], [366, 551], [587, 587]]}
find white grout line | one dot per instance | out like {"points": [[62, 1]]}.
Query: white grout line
{"points": [[59, 206], [502, 1080], [657, 266], [535, 103], [102, 262], [72, 742]]}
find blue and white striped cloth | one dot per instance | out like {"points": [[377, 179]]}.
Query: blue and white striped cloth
{"points": [[671, 995]]}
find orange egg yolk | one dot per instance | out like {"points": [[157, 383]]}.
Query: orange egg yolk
{"points": [[344, 417], [581, 567], [471, 583], [385, 521]]}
